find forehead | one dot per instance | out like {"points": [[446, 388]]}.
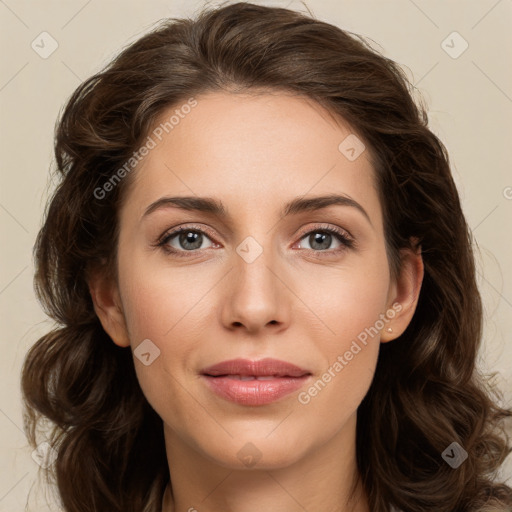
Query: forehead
{"points": [[253, 151]]}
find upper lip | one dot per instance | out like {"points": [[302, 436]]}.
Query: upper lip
{"points": [[261, 368]]}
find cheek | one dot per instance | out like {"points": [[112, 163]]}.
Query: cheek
{"points": [[165, 311], [347, 302], [350, 356], [352, 310], [165, 319], [159, 301]]}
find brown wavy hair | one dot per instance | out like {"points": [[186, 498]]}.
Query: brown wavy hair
{"points": [[426, 392]]}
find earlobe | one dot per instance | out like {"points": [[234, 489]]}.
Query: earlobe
{"points": [[108, 307], [405, 293]]}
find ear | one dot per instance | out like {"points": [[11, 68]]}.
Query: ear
{"points": [[404, 293], [108, 307]]}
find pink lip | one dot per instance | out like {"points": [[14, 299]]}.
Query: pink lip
{"points": [[222, 380], [261, 368]]}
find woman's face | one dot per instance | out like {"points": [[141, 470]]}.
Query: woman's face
{"points": [[257, 280]]}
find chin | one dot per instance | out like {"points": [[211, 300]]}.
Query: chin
{"points": [[257, 452]]}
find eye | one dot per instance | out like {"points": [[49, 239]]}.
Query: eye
{"points": [[184, 239], [188, 239], [321, 238]]}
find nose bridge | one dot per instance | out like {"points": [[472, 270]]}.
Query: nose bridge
{"points": [[253, 261], [255, 293]]}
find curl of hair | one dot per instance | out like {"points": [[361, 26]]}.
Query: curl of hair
{"points": [[426, 392]]}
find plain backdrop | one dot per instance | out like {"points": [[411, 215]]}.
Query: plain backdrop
{"points": [[457, 53]]}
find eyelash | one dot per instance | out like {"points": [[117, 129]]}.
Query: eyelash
{"points": [[346, 240]]}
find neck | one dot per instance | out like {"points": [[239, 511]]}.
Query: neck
{"points": [[324, 479]]}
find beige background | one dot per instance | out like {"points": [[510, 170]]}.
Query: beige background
{"points": [[470, 105]]}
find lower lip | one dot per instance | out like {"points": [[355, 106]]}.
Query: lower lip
{"points": [[254, 392]]}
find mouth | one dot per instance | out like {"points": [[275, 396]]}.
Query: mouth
{"points": [[246, 369], [253, 383]]}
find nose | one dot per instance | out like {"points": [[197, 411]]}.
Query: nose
{"points": [[256, 296]]}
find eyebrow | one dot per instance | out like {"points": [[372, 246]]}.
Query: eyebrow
{"points": [[216, 207]]}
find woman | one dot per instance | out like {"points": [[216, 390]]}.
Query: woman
{"points": [[264, 284]]}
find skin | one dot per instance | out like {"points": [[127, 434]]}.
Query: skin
{"points": [[255, 153]]}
